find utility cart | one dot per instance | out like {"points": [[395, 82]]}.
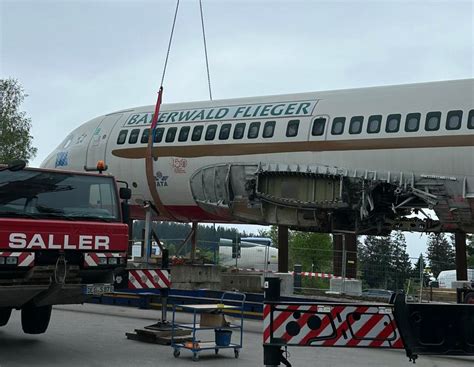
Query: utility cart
{"points": [[211, 317]]}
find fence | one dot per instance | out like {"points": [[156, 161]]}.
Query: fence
{"points": [[375, 271], [317, 267]]}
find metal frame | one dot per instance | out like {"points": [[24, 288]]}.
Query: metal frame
{"points": [[195, 327]]}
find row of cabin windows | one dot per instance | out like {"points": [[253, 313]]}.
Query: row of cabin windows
{"points": [[393, 122], [210, 134]]}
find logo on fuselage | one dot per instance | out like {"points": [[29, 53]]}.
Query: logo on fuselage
{"points": [[161, 180]]}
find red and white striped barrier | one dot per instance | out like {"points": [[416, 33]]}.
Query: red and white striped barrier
{"points": [[331, 325], [94, 258], [320, 275], [149, 279], [23, 259]]}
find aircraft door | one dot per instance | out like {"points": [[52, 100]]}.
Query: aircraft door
{"points": [[98, 143]]}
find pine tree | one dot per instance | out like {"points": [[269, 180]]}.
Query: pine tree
{"points": [[440, 253], [401, 264], [375, 261], [15, 127], [419, 268]]}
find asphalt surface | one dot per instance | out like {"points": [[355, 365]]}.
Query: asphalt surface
{"points": [[94, 335]]}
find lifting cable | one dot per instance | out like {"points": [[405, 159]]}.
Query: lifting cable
{"points": [[205, 51]]}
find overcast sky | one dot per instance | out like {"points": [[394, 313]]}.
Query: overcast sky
{"points": [[80, 59]]}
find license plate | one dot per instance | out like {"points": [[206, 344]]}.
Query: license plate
{"points": [[98, 289]]}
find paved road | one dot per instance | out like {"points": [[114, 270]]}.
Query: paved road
{"points": [[94, 335]]}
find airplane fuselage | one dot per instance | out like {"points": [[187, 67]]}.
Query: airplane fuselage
{"points": [[425, 128]]}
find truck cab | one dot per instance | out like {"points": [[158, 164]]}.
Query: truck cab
{"points": [[62, 240]]}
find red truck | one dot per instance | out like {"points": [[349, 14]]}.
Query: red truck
{"points": [[63, 238]]}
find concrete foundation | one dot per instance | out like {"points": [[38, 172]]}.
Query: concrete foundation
{"points": [[196, 277], [286, 285], [349, 286], [252, 283]]}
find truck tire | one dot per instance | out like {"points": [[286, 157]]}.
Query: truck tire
{"points": [[35, 320], [469, 298], [5, 315]]}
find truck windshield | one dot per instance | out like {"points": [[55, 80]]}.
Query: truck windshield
{"points": [[58, 195]]}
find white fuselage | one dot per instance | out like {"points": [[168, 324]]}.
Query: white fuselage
{"points": [[435, 135]]}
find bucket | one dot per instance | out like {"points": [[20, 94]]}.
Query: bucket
{"points": [[223, 337]]}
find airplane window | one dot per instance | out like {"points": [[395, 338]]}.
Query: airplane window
{"points": [[318, 126], [211, 132], [184, 133], [225, 132], [171, 134], [145, 135], [159, 132], [373, 126], [197, 132], [269, 129], [470, 120], [134, 136], [253, 130], [239, 130], [122, 136], [432, 121], [338, 125], [393, 123], [412, 122], [355, 126], [453, 121], [292, 128]]}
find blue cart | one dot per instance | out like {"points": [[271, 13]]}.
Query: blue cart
{"points": [[231, 303]]}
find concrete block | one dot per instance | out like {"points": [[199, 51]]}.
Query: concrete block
{"points": [[350, 287], [242, 282], [195, 277]]}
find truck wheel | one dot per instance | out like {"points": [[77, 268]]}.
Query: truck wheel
{"points": [[35, 320], [469, 298], [5, 315]]}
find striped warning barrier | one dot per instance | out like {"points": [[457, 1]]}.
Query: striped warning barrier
{"points": [[103, 258], [320, 275], [329, 325], [20, 259], [149, 279]]}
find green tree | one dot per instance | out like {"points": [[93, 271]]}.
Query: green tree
{"points": [[375, 261], [419, 268], [401, 265], [470, 251], [312, 250], [15, 126], [440, 253]]}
